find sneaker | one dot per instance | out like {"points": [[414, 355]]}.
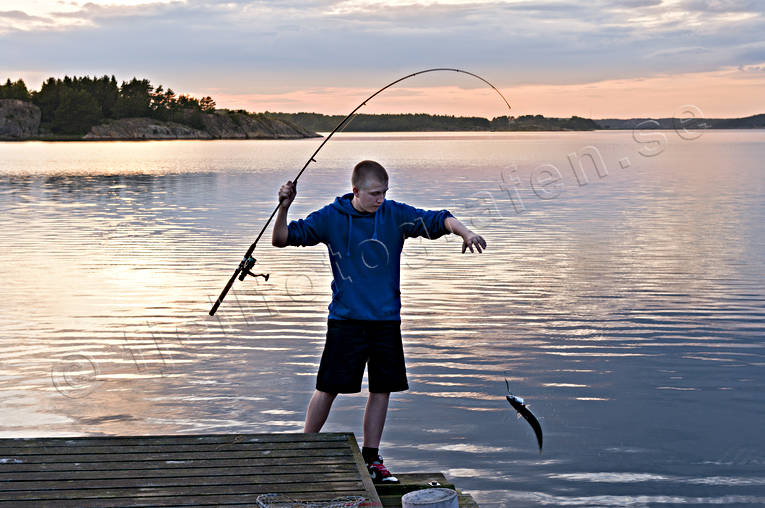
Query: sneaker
{"points": [[379, 472]]}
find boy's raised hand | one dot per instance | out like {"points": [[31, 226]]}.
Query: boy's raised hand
{"points": [[287, 194]]}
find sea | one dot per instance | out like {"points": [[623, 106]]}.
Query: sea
{"points": [[621, 294]]}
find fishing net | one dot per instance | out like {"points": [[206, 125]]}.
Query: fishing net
{"points": [[282, 501]]}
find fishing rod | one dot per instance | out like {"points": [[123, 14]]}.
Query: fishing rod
{"points": [[248, 262]]}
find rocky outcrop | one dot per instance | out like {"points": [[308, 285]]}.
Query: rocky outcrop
{"points": [[221, 124], [224, 124], [144, 128], [18, 119]]}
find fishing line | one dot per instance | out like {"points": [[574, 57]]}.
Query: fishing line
{"points": [[245, 266]]}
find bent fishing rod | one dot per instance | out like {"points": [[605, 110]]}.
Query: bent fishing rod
{"points": [[248, 262]]}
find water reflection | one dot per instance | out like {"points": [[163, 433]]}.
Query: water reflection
{"points": [[638, 294]]}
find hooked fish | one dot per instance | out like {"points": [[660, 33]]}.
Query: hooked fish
{"points": [[519, 405]]}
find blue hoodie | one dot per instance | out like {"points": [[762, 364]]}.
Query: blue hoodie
{"points": [[365, 252]]}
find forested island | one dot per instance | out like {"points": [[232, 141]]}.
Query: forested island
{"points": [[76, 108], [95, 108]]}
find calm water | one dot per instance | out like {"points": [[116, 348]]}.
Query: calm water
{"points": [[628, 308]]}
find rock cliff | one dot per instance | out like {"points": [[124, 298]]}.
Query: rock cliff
{"points": [[144, 128], [18, 119], [238, 125], [221, 124]]}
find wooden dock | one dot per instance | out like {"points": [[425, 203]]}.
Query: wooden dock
{"points": [[208, 470], [192, 470]]}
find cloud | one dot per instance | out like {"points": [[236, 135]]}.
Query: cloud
{"points": [[21, 21], [751, 69], [267, 47], [95, 14], [672, 52], [723, 6], [19, 15], [635, 4], [55, 16]]}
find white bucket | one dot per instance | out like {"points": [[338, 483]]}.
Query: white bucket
{"points": [[430, 498]]}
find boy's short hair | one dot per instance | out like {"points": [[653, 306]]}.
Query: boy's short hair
{"points": [[368, 170]]}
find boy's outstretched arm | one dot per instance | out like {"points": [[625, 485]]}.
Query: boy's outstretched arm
{"points": [[469, 239], [287, 194]]}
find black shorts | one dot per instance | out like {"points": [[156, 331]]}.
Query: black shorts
{"points": [[350, 344]]}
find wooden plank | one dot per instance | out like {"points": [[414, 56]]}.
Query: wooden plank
{"points": [[369, 486], [173, 439], [151, 448], [332, 489], [105, 458], [173, 481], [99, 474], [422, 478], [169, 465], [248, 500]]}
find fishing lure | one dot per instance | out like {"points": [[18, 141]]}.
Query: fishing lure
{"points": [[248, 262], [519, 405]]}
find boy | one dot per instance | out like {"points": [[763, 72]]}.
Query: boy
{"points": [[364, 233]]}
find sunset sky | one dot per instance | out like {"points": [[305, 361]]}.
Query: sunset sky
{"points": [[599, 59]]}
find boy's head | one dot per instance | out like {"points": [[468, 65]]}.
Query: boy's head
{"points": [[370, 182], [367, 171]]}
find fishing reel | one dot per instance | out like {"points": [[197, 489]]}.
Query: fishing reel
{"points": [[245, 268]]}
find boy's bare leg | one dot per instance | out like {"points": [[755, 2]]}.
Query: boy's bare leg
{"points": [[318, 410], [374, 418]]}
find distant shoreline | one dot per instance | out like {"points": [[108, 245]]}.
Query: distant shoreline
{"points": [[421, 122], [21, 121], [98, 108], [70, 139]]}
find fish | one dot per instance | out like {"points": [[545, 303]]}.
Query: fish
{"points": [[520, 405]]}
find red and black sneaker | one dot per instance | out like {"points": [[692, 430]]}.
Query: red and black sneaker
{"points": [[379, 472]]}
